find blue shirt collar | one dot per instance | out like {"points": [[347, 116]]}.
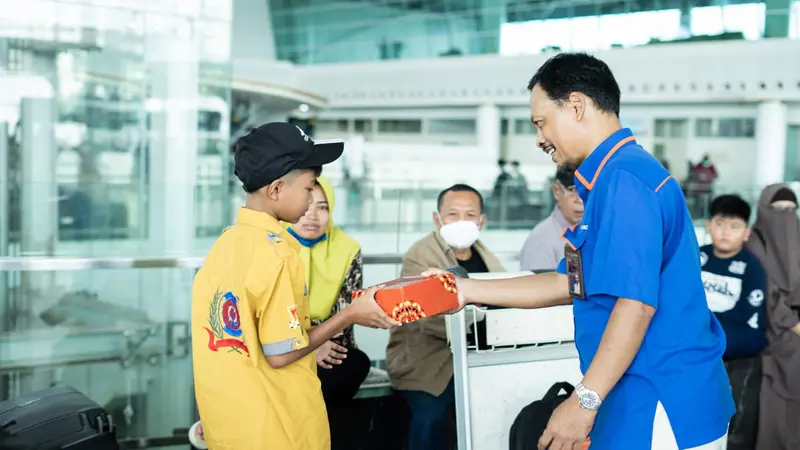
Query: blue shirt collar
{"points": [[590, 168], [307, 242]]}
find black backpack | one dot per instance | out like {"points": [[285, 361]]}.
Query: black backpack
{"points": [[531, 422]]}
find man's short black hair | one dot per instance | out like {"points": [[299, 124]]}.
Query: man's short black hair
{"points": [[459, 188], [566, 73], [730, 207]]}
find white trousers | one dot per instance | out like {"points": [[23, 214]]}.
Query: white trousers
{"points": [[664, 439]]}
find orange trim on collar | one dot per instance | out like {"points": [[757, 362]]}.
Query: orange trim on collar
{"points": [[613, 150], [564, 237]]}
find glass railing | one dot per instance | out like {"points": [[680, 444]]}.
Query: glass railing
{"points": [[116, 329], [118, 220]]}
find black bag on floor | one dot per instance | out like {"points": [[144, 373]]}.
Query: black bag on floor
{"points": [[531, 422], [58, 418]]}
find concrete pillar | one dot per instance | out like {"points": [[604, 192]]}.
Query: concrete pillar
{"points": [[5, 210], [39, 205], [4, 177], [771, 131], [488, 125], [173, 146], [39, 211], [777, 16], [174, 64], [43, 64]]}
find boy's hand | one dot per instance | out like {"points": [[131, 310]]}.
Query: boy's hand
{"points": [[365, 311], [330, 354]]}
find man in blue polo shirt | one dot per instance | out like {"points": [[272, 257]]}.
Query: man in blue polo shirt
{"points": [[650, 350]]}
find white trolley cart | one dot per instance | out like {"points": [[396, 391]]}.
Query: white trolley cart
{"points": [[521, 355]]}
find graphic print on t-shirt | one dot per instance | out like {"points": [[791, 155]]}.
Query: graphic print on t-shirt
{"points": [[734, 290], [722, 292]]}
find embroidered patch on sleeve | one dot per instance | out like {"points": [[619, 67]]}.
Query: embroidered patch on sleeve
{"points": [[294, 322], [224, 324]]}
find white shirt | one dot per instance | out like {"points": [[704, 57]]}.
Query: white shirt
{"points": [[544, 248]]}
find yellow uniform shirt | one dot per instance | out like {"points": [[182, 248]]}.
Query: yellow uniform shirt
{"points": [[250, 300]]}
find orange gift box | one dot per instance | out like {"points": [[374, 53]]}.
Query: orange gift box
{"points": [[409, 299]]}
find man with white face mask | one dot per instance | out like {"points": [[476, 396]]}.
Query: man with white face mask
{"points": [[418, 359]]}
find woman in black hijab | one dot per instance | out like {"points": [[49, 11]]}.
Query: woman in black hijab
{"points": [[775, 240]]}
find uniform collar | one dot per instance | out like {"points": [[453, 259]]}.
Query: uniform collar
{"points": [[258, 219], [589, 170]]}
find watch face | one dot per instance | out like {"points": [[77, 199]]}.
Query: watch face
{"points": [[590, 400]]}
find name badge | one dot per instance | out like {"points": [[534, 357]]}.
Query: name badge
{"points": [[572, 258]]}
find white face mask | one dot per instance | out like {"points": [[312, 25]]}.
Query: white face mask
{"points": [[461, 234]]}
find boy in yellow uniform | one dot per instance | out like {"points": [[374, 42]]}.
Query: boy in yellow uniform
{"points": [[252, 343]]}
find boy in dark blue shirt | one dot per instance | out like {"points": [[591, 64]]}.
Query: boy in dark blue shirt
{"points": [[735, 283]]}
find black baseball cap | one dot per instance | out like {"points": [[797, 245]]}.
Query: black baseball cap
{"points": [[275, 149], [566, 177]]}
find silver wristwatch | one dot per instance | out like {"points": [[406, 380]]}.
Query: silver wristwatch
{"points": [[588, 398]]}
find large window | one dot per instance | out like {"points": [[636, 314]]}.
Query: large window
{"points": [[747, 19], [636, 28], [412, 126], [589, 33], [332, 126], [670, 128], [524, 126], [451, 126], [728, 127]]}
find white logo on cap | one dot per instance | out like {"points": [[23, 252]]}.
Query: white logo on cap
{"points": [[305, 137]]}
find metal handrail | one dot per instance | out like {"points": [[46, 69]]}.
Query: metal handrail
{"points": [[40, 264]]}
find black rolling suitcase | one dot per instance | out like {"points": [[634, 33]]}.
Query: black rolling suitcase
{"points": [[58, 418]]}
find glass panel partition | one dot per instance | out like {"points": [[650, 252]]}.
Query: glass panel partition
{"points": [[116, 329]]}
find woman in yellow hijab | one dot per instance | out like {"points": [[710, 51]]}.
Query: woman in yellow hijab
{"points": [[333, 271]]}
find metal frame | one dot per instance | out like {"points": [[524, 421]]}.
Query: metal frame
{"points": [[467, 357], [458, 344]]}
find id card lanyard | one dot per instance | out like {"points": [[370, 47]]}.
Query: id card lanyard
{"points": [[574, 262]]}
